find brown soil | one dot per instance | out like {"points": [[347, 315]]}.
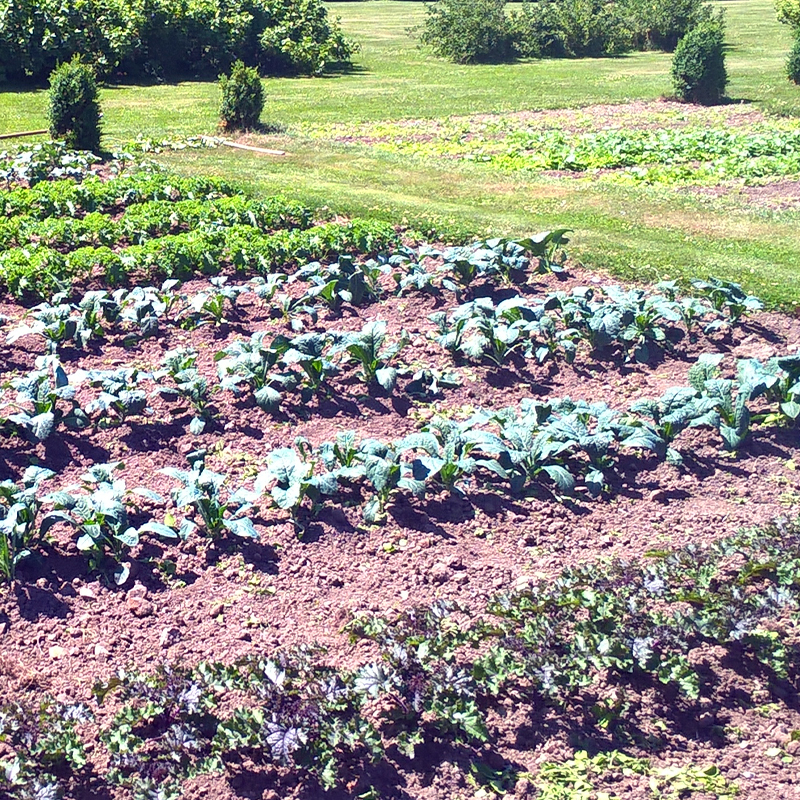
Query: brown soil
{"points": [[781, 195], [229, 599], [638, 115]]}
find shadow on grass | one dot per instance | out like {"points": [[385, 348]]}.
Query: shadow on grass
{"points": [[118, 82]]}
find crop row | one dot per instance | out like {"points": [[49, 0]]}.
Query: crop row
{"points": [[661, 153], [439, 674], [149, 220], [270, 364], [555, 445], [68, 198], [605, 318], [43, 271], [650, 155], [49, 161]]}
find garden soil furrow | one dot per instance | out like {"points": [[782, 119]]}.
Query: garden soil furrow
{"points": [[62, 629]]}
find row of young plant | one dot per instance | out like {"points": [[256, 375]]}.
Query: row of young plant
{"points": [[266, 367], [605, 318], [41, 271], [76, 198], [275, 367], [144, 221], [346, 281], [48, 161], [558, 445], [612, 149], [659, 155], [555, 445], [97, 314], [438, 675]]}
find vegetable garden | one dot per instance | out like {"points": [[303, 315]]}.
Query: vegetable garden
{"points": [[708, 151], [294, 505]]}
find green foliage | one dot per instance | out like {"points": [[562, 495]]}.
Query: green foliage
{"points": [[291, 475], [468, 31], [345, 281], [789, 12], [575, 779], [45, 401], [442, 672], [66, 198], [640, 155], [46, 161], [200, 490], [257, 364], [607, 318], [224, 226], [447, 446], [793, 61], [119, 397], [386, 473], [20, 532], [569, 28], [99, 515], [59, 324], [188, 385], [668, 416], [74, 110], [167, 38], [242, 98], [304, 39], [44, 742], [698, 66], [479, 329], [214, 305], [370, 349], [661, 24], [178, 703], [726, 296]]}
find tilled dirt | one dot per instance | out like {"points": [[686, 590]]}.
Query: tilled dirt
{"points": [[780, 195], [62, 629]]}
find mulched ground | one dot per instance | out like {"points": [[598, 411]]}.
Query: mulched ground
{"points": [[62, 629]]}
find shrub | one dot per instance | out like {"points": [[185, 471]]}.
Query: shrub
{"points": [[571, 28], [793, 62], [303, 39], [789, 12], [660, 24], [468, 31], [698, 66], [145, 38], [74, 110], [242, 98]]}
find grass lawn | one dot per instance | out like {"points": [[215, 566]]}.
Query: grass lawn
{"points": [[636, 231]]}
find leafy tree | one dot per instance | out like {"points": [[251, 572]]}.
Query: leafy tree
{"points": [[571, 28], [468, 31], [164, 38], [661, 24], [789, 12], [304, 39]]}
